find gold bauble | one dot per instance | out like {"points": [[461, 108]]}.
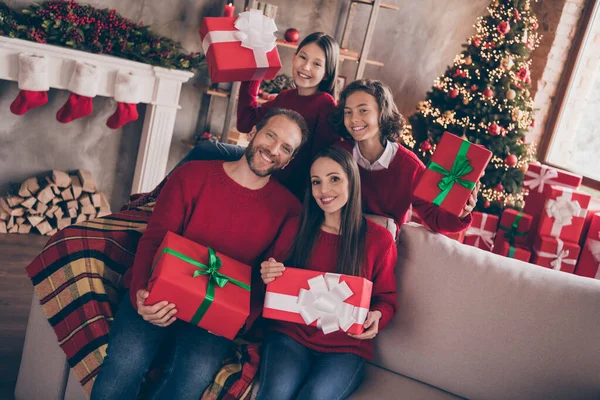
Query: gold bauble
{"points": [[468, 60], [465, 100], [511, 94], [507, 63]]}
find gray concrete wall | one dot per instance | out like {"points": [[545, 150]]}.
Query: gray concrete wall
{"points": [[416, 44]]}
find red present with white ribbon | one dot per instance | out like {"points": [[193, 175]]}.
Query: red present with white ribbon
{"points": [[589, 261], [482, 231], [564, 213], [593, 209], [555, 254], [242, 48], [329, 301]]}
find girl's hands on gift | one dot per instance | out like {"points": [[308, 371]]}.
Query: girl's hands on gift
{"points": [[371, 326], [160, 314], [271, 269], [472, 201]]}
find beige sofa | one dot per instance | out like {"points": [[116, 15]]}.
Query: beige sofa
{"points": [[470, 324]]}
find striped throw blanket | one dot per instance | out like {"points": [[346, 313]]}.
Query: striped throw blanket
{"points": [[78, 279]]}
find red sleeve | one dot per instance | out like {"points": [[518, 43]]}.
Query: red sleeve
{"points": [[385, 297], [282, 245], [324, 134], [249, 112], [437, 219], [168, 215]]}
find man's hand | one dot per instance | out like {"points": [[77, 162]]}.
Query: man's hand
{"points": [[160, 314], [271, 269], [371, 326]]}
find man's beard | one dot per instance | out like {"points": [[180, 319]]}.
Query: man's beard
{"points": [[252, 152]]}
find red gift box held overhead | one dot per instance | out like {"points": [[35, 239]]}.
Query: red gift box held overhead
{"points": [[209, 290], [564, 214], [454, 169], [240, 49], [555, 254], [328, 301], [589, 261], [482, 231]]}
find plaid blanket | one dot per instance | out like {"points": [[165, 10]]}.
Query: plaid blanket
{"points": [[78, 279]]}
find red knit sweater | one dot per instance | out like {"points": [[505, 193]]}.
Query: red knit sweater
{"points": [[202, 203], [315, 109], [380, 262], [388, 192]]}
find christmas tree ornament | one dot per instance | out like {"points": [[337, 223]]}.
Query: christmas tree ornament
{"points": [[507, 63], [486, 204], [533, 123], [534, 25], [448, 115], [425, 146], [292, 35], [523, 74], [127, 91], [499, 188], [488, 93], [474, 88], [503, 27], [422, 105], [476, 42], [83, 86], [468, 60], [523, 168], [452, 93], [511, 160], [33, 83], [465, 100], [511, 94], [494, 129], [516, 14]]}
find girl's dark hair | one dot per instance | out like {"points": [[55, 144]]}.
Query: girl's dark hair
{"points": [[391, 122], [353, 227], [331, 48]]}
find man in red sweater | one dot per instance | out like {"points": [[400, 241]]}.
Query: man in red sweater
{"points": [[233, 207]]}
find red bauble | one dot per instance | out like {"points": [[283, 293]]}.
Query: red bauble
{"points": [[292, 35], [489, 93], [452, 93], [511, 160], [516, 14], [533, 123], [503, 27], [494, 129], [534, 26], [425, 146], [499, 187], [487, 204], [476, 42], [474, 88]]}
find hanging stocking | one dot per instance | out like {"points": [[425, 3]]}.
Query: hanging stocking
{"points": [[127, 89], [33, 83], [83, 87]]}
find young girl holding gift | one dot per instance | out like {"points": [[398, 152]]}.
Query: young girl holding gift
{"points": [[331, 235], [367, 116], [314, 71]]}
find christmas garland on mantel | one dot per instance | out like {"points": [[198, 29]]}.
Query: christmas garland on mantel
{"points": [[67, 23]]}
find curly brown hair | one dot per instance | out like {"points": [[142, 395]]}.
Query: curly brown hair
{"points": [[391, 122]]}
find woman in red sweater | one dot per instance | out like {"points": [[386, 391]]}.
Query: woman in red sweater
{"points": [[331, 235], [369, 119], [314, 71]]}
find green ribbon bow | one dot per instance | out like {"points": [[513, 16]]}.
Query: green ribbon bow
{"points": [[214, 278], [460, 167], [511, 231]]}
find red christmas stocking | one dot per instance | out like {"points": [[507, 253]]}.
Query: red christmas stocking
{"points": [[33, 83], [127, 89], [126, 112], [83, 86]]}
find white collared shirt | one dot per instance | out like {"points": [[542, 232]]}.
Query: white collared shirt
{"points": [[382, 163]]}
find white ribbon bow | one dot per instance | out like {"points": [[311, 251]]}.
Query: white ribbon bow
{"points": [[559, 258], [486, 236], [255, 31], [563, 209], [324, 302], [594, 246], [545, 177]]}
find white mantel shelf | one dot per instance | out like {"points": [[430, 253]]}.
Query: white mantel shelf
{"points": [[161, 90]]}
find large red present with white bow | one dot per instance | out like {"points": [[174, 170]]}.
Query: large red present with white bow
{"points": [[242, 48], [593, 209], [589, 261], [328, 301], [555, 254], [564, 213], [482, 231]]}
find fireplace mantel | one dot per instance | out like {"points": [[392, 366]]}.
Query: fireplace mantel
{"points": [[160, 91]]}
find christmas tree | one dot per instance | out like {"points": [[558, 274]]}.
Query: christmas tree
{"points": [[484, 97]]}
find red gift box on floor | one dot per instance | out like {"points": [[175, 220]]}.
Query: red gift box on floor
{"points": [[589, 261], [516, 252], [593, 209], [188, 275], [329, 301], [454, 169], [513, 228], [555, 254], [564, 213], [482, 231], [240, 48]]}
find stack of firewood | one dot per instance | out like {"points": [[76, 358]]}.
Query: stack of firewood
{"points": [[52, 203]]}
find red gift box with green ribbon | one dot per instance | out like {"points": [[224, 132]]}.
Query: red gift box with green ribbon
{"points": [[510, 251], [454, 169], [209, 289], [513, 228]]}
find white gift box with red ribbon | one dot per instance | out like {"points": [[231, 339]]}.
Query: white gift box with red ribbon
{"points": [[331, 302], [564, 213], [555, 254]]}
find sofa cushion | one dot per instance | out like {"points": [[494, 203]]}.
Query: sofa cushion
{"points": [[484, 326], [381, 384]]}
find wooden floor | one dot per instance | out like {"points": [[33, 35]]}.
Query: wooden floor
{"points": [[16, 252]]}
